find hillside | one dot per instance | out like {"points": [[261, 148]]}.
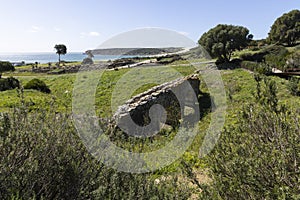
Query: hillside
{"points": [[134, 51]]}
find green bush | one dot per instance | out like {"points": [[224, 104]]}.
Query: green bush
{"points": [[274, 49], [259, 157], [6, 66], [294, 86], [249, 65], [276, 56], [9, 84], [42, 157], [261, 68], [37, 84], [293, 61], [256, 57]]}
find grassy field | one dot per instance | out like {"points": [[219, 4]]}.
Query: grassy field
{"points": [[239, 84], [62, 87], [240, 87]]}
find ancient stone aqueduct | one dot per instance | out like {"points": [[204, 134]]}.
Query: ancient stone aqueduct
{"points": [[143, 114]]}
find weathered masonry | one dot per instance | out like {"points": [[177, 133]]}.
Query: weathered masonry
{"points": [[169, 103]]}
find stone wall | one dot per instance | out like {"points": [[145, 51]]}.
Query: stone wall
{"points": [[164, 104]]}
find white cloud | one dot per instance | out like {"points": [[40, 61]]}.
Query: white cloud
{"points": [[94, 34], [90, 34], [35, 29], [183, 33]]}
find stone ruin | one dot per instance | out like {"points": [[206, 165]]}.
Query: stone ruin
{"points": [[168, 104]]}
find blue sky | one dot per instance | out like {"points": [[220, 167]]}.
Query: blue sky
{"points": [[37, 25]]}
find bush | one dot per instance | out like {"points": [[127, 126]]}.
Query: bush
{"points": [[261, 68], [42, 157], [276, 56], [6, 66], [294, 86], [293, 61], [256, 57], [37, 84], [9, 84], [249, 65], [258, 158]]}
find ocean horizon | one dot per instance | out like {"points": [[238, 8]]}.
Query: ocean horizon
{"points": [[46, 57]]}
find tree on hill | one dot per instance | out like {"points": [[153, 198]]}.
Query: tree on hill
{"points": [[223, 39], [286, 29], [61, 49], [5, 66]]}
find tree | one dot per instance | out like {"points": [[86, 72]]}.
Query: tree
{"points": [[6, 66], [286, 29], [222, 40], [61, 49]]}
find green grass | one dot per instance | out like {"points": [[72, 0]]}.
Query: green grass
{"points": [[237, 54], [239, 84], [62, 87]]}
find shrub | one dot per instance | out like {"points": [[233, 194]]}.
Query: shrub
{"points": [[294, 86], [261, 68], [9, 84], [258, 158], [249, 65], [37, 84], [6, 66], [42, 157], [276, 56], [256, 57], [293, 61]]}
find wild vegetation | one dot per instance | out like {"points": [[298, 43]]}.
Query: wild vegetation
{"points": [[259, 156], [5, 66], [256, 157], [222, 40], [286, 29], [9, 84], [37, 84]]}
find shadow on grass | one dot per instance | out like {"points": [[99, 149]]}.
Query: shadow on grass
{"points": [[205, 104]]}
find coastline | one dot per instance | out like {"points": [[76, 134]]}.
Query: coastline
{"points": [[44, 57]]}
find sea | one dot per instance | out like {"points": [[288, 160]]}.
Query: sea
{"points": [[43, 58]]}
